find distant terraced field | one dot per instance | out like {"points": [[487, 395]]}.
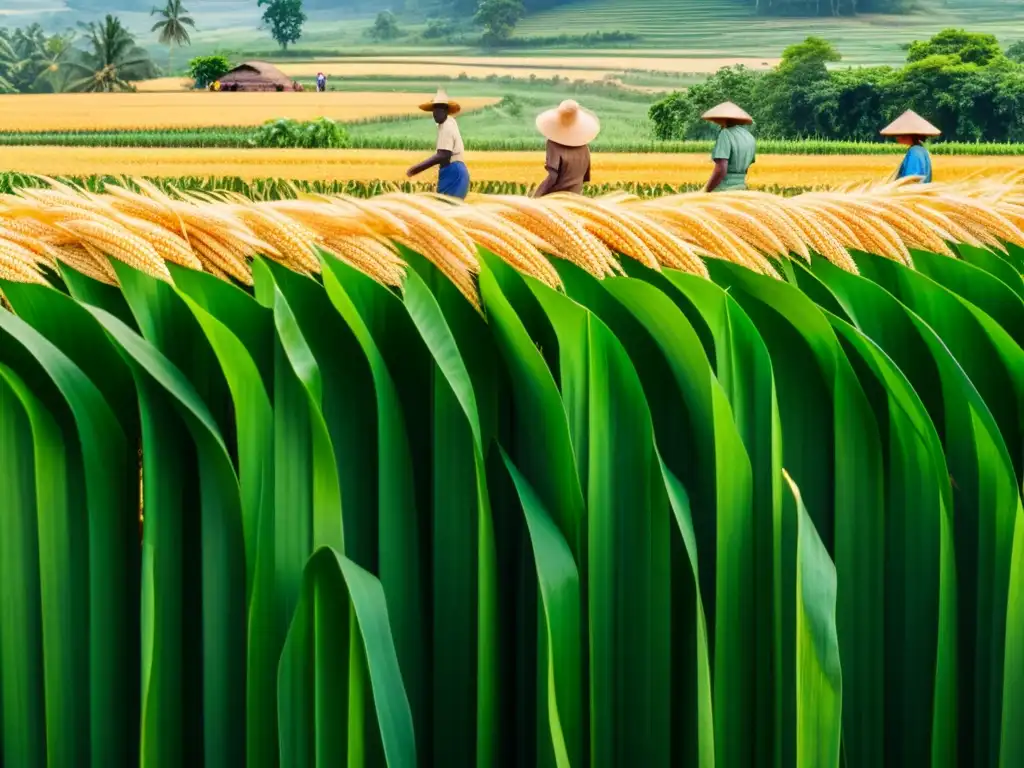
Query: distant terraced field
{"points": [[544, 67], [734, 26]]}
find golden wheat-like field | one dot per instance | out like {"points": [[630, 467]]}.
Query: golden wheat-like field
{"points": [[164, 85], [576, 68], [197, 109], [390, 165]]}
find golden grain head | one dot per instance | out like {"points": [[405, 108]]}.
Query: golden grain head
{"points": [[220, 232]]}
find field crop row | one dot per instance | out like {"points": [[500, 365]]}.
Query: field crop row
{"points": [[519, 167], [409, 135], [272, 188]]}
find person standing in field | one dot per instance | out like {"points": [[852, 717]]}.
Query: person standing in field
{"points": [[569, 130], [735, 149], [321, 82], [911, 130], [452, 174]]}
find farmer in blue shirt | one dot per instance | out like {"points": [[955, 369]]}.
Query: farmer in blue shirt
{"points": [[911, 130]]}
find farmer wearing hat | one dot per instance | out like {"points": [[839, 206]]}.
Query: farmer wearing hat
{"points": [[910, 129], [568, 129], [735, 149], [452, 175]]}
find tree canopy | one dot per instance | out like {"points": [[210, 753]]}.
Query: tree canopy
{"points": [[957, 80], [499, 18], [285, 19]]}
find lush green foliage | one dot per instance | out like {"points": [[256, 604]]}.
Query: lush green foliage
{"points": [[385, 27], [982, 94], [33, 61], [111, 59], [652, 520], [499, 18], [206, 69], [322, 133], [285, 19]]}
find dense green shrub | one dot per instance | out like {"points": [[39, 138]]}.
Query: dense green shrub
{"points": [[322, 133], [206, 69]]}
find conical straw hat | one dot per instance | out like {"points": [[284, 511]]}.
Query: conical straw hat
{"points": [[441, 97], [569, 124], [727, 111], [910, 124]]}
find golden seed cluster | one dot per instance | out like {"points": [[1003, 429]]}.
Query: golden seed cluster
{"points": [[40, 229]]}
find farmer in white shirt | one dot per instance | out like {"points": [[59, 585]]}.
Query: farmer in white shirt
{"points": [[452, 175]]}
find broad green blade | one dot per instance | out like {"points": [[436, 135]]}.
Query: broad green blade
{"points": [[986, 351], [342, 615], [833, 450], [219, 540], [1012, 744], [322, 478], [399, 545], [744, 369], [224, 309], [628, 536], [985, 495], [107, 533], [698, 440], [539, 444], [819, 677], [348, 403], [465, 642], [23, 724], [1005, 267], [988, 292], [61, 521], [559, 585], [698, 738], [921, 630]]}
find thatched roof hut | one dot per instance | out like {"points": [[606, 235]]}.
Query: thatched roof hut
{"points": [[256, 76]]}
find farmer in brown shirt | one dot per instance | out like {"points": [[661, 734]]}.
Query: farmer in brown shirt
{"points": [[568, 129]]}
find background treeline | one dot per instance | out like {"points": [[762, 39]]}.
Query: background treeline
{"points": [[961, 81], [100, 56]]}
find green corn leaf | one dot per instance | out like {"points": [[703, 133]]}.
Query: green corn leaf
{"points": [[21, 643], [341, 616], [832, 449], [225, 308], [921, 605], [105, 536], [819, 678], [985, 495], [559, 586], [171, 708], [465, 643], [628, 535], [401, 572]]}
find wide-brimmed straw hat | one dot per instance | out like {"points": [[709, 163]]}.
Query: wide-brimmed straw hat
{"points": [[569, 124], [441, 97], [910, 124], [727, 111]]}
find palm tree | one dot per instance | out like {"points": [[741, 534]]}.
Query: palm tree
{"points": [[50, 61], [9, 64], [111, 61], [172, 27]]}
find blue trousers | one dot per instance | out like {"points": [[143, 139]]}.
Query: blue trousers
{"points": [[453, 180]]}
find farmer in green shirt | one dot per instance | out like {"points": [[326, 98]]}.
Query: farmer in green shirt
{"points": [[735, 149]]}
